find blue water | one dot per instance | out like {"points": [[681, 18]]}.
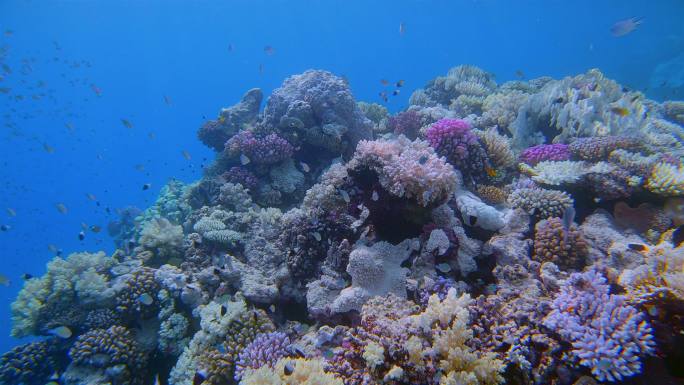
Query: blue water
{"points": [[138, 52]]}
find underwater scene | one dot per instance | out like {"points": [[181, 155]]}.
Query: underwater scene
{"points": [[328, 192]]}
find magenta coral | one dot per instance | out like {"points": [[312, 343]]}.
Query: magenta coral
{"points": [[542, 152], [269, 149], [453, 139]]}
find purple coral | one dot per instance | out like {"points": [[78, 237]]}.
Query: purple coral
{"points": [[453, 139], [606, 333], [543, 152], [269, 149], [597, 148], [265, 349], [242, 176], [406, 123], [440, 286]]}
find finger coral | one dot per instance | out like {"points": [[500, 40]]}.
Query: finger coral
{"points": [[607, 334]]}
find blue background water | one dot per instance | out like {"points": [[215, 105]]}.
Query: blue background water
{"points": [[137, 52]]}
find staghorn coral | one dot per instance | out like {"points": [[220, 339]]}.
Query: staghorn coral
{"points": [[543, 152], [666, 179], [265, 350], [30, 363], [407, 169], [553, 243], [453, 139], [607, 334], [539, 202], [79, 280]]}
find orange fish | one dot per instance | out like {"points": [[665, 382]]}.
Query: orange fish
{"points": [[384, 82], [490, 171]]}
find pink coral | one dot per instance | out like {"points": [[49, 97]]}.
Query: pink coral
{"points": [[542, 152]]}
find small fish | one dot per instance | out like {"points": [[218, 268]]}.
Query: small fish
{"points": [[491, 172], [156, 380], [4, 281], [519, 74], [61, 208], [374, 196], [244, 159], [621, 111], [95, 228], [186, 155], [81, 236], [568, 218], [61, 332], [269, 50], [559, 100], [140, 167], [400, 83], [9, 32], [126, 123], [678, 236], [288, 369], [5, 90], [5, 227], [224, 309], [146, 299], [395, 92], [11, 212], [199, 377], [53, 249], [151, 135], [49, 149], [167, 100], [443, 267], [6, 68], [383, 96], [472, 219], [84, 226], [96, 90], [146, 186], [345, 196], [272, 308], [26, 276], [305, 167], [317, 236], [230, 47], [402, 28], [91, 197], [625, 27], [638, 247], [261, 69], [69, 126], [384, 82]]}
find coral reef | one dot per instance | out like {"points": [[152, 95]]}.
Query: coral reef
{"points": [[523, 233]]}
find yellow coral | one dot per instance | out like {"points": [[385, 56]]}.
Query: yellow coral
{"points": [[374, 354], [301, 372], [666, 179]]}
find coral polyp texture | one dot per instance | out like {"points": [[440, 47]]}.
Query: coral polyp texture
{"points": [[525, 233]]}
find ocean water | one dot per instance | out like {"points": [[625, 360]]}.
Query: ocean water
{"points": [[101, 102]]}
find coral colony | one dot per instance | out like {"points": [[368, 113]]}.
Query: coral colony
{"points": [[519, 233]]}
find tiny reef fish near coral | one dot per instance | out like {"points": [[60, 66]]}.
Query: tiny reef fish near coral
{"points": [[146, 299], [678, 236], [625, 27], [186, 155], [61, 331], [621, 111]]}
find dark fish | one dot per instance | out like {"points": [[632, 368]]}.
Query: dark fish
{"points": [[198, 379], [269, 50], [26, 276], [97, 90], [559, 100], [423, 159], [217, 271], [622, 111], [81, 236], [298, 352], [400, 83], [224, 309], [95, 228], [167, 100], [126, 123], [383, 96], [519, 74], [5, 227], [5, 90], [146, 186], [678, 236], [402, 28], [637, 247], [472, 219], [288, 369], [395, 92], [230, 47]]}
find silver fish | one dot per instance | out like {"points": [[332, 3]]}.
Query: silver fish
{"points": [[625, 27], [61, 332]]}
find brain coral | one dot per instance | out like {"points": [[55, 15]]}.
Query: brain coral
{"points": [[407, 169]]}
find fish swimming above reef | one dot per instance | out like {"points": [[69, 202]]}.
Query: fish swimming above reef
{"points": [[61, 208], [4, 281], [126, 123], [625, 27]]}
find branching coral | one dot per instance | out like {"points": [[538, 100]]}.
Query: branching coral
{"points": [[268, 149], [666, 179], [542, 152], [265, 350], [606, 333], [599, 147], [407, 123], [407, 169]]}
